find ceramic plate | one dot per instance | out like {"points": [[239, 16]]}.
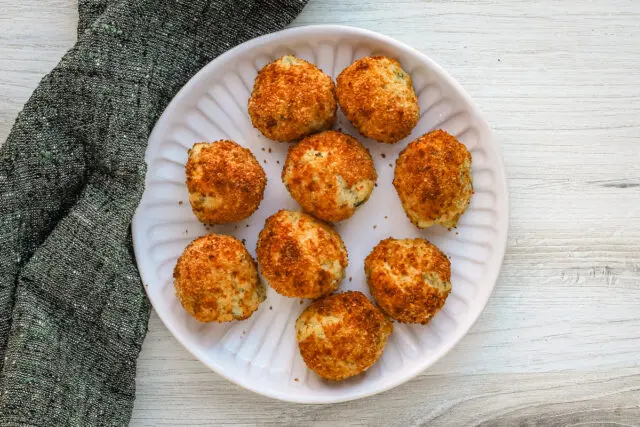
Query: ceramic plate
{"points": [[261, 353]]}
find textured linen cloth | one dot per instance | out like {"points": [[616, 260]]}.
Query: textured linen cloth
{"points": [[73, 313]]}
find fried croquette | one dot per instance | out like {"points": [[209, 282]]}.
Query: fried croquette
{"points": [[216, 280], [225, 182], [377, 97], [291, 99], [433, 179], [409, 279], [330, 174], [300, 256], [342, 335]]}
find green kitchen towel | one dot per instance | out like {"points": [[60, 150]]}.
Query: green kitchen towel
{"points": [[73, 313]]}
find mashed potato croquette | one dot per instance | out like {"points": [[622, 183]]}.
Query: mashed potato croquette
{"points": [[342, 335], [377, 97], [291, 99], [330, 174], [225, 182], [300, 256], [216, 280], [409, 279], [433, 179]]}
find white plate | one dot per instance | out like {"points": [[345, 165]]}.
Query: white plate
{"points": [[261, 353]]}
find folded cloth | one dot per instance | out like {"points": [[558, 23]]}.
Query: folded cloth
{"points": [[73, 313]]}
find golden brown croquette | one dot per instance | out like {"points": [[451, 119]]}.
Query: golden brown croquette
{"points": [[409, 279], [377, 97], [433, 179], [330, 174], [300, 256], [225, 182], [216, 280], [291, 99], [342, 335]]}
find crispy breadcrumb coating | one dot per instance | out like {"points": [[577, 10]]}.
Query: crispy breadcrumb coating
{"points": [[342, 335]]}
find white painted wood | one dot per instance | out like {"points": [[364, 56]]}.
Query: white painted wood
{"points": [[559, 343]]}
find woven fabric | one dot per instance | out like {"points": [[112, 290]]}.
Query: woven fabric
{"points": [[73, 313]]}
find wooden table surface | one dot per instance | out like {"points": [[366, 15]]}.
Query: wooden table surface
{"points": [[559, 342]]}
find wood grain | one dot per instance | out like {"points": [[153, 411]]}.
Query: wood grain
{"points": [[559, 342]]}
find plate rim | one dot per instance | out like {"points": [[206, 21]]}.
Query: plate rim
{"points": [[491, 274]]}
